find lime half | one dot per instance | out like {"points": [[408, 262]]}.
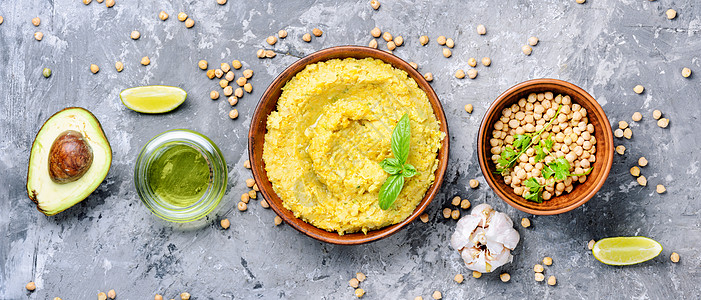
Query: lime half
{"points": [[153, 99], [623, 251]]}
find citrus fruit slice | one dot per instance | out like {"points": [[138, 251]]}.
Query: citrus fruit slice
{"points": [[153, 99], [623, 251]]}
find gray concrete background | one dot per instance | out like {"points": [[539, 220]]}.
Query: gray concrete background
{"points": [[110, 240]]}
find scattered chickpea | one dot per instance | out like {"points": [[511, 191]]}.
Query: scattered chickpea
{"points": [[57, 298], [236, 64], [642, 161], [101, 296], [360, 276], [202, 64], [686, 72], [242, 206], [264, 203], [145, 61], [455, 201], [2, 20], [538, 268], [635, 171], [671, 14], [469, 108], [547, 260], [189, 23], [638, 89], [31, 286], [277, 220], [353, 282], [459, 278], [465, 204], [674, 257], [271, 40], [376, 32], [391, 46], [375, 4], [539, 277], [637, 116], [476, 274], [158, 297], [260, 53], [359, 292], [552, 280], [135, 35], [214, 95], [398, 40], [663, 123], [223, 83], [241, 81], [230, 76], [109, 3], [307, 37], [255, 188], [533, 41], [317, 32], [228, 90], [423, 40], [94, 68], [525, 222], [247, 164], [590, 245], [527, 50], [620, 149], [225, 67], [628, 133], [245, 198], [472, 73], [446, 213], [163, 16], [185, 296], [449, 43], [233, 100], [252, 194], [580, 1], [441, 40], [455, 214], [238, 92], [622, 124], [46, 72], [481, 30], [505, 277], [250, 182], [642, 180], [38, 35], [373, 43], [428, 76], [248, 87], [460, 74], [472, 62], [437, 295], [86, 2], [225, 223], [182, 17], [618, 133], [424, 217], [36, 21], [486, 61], [387, 36], [221, 2], [474, 183], [414, 65], [111, 294], [447, 53], [233, 114], [282, 33], [660, 189]]}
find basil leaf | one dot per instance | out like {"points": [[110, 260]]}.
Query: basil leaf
{"points": [[390, 190], [391, 165], [408, 170], [401, 139]]}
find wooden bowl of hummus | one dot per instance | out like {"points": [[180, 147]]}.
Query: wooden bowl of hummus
{"points": [[323, 127]]}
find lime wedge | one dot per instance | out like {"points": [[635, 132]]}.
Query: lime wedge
{"points": [[153, 99], [623, 251]]}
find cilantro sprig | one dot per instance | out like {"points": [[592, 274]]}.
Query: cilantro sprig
{"points": [[559, 169], [397, 166]]}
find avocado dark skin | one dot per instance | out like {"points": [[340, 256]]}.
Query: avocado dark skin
{"points": [[70, 157]]}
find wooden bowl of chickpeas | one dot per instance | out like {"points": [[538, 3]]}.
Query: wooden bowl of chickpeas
{"points": [[545, 146]]}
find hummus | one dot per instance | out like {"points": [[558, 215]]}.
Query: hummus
{"points": [[332, 128]]}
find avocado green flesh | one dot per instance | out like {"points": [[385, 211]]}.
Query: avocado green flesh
{"points": [[49, 196], [153, 99]]}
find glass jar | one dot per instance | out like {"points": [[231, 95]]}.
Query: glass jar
{"points": [[154, 149]]}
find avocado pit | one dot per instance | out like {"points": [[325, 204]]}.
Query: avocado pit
{"points": [[70, 157]]}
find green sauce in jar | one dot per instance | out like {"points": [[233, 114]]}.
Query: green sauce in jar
{"points": [[180, 175]]}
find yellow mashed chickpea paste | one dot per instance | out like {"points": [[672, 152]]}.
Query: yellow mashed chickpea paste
{"points": [[332, 128]]}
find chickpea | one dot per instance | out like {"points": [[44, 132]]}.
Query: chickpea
{"points": [[260, 53], [185, 296], [163, 16], [94, 68], [2, 20], [189, 23], [247, 164], [86, 2], [437, 295], [525, 222], [476, 274], [505, 277], [446, 213], [238, 92], [225, 67], [637, 116], [474, 183], [635, 171], [375, 4], [428, 77], [533, 41], [481, 30], [229, 76], [307, 37], [674, 257], [590, 245], [228, 90], [202, 64], [271, 40], [468, 108], [236, 64], [660, 189], [447, 53], [353, 283], [424, 218], [233, 100], [455, 214], [158, 297], [459, 278], [465, 204], [373, 43], [101, 296], [221, 2], [225, 223], [686, 72], [376, 32], [423, 40], [486, 61], [663, 123], [242, 206], [252, 194], [547, 261], [538, 268], [441, 40], [622, 124], [449, 43], [391, 45], [38, 35], [460, 74], [223, 83], [580, 1], [214, 95], [135, 35], [277, 220], [552, 280], [627, 133], [671, 14], [472, 62], [399, 41], [539, 277], [527, 50], [642, 180], [455, 201], [414, 65], [618, 133], [145, 61], [182, 17], [642, 161], [248, 87], [31, 286], [638, 89], [36, 21], [109, 3], [264, 204], [387, 37], [282, 33], [317, 32], [210, 74], [472, 73], [241, 81]]}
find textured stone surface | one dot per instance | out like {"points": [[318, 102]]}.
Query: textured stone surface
{"points": [[110, 241]]}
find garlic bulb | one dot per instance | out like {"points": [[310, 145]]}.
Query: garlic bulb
{"points": [[485, 239]]}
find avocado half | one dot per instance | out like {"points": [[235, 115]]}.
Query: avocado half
{"points": [[69, 159]]}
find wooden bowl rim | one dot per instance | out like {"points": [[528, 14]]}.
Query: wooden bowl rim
{"points": [[484, 159], [265, 186]]}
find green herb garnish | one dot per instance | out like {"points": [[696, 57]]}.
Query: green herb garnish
{"points": [[397, 166], [559, 169]]}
